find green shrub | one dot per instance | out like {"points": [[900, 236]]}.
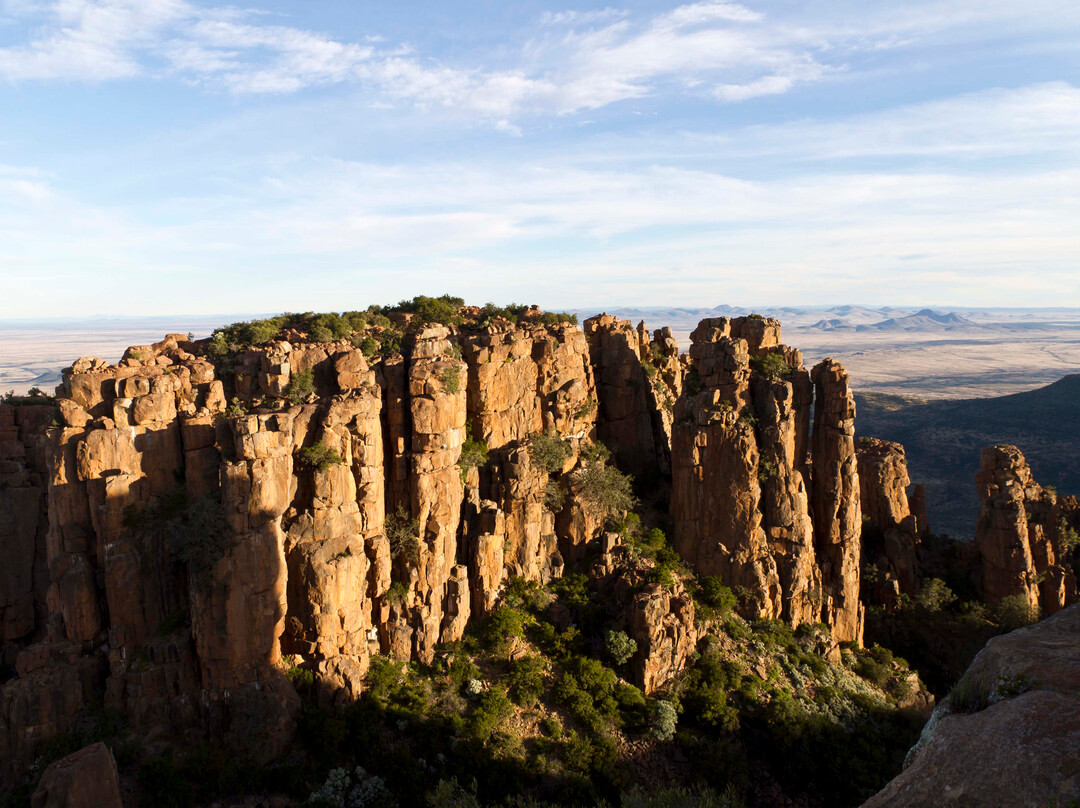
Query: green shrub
{"points": [[527, 680], [301, 385], [492, 709], [474, 453], [605, 490], [619, 647], [444, 309], [320, 457], [1014, 611], [549, 451], [397, 593], [970, 695], [770, 365], [663, 721], [554, 496], [504, 625], [934, 595], [713, 592], [368, 346], [450, 378], [402, 531]]}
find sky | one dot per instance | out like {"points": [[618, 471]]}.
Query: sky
{"points": [[174, 157]]}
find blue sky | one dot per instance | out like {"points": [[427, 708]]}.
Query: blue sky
{"points": [[162, 156]]}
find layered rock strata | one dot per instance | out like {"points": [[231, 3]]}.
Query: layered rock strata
{"points": [[1021, 534]]}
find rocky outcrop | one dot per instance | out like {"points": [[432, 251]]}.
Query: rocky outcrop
{"points": [[1019, 534], [741, 497], [891, 532], [637, 384], [83, 779], [662, 625], [1009, 734]]}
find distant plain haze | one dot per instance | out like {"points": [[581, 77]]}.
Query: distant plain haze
{"points": [[164, 157]]}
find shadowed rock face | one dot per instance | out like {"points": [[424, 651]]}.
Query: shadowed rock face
{"points": [[1019, 742], [891, 531], [173, 554], [83, 779], [1020, 534], [745, 504]]}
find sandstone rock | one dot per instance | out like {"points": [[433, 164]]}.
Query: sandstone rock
{"points": [[1015, 534], [83, 779], [1023, 746], [891, 532], [662, 624]]}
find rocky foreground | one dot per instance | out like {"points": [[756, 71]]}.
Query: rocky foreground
{"points": [[185, 530]]}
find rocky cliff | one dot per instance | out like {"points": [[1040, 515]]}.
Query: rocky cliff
{"points": [[891, 529], [756, 499], [1009, 734], [1022, 534], [183, 527]]}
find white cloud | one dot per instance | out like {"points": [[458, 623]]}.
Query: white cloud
{"points": [[575, 60]]}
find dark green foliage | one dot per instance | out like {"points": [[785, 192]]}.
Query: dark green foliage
{"points": [[971, 695], [474, 453], [402, 531], [527, 680], [554, 496], [663, 721], [34, 396], [770, 365], [605, 490], [549, 451], [450, 378], [692, 382], [619, 647], [1013, 612], [504, 625], [319, 457], [934, 595], [368, 346], [492, 709], [397, 593], [301, 385], [712, 592], [444, 309]]}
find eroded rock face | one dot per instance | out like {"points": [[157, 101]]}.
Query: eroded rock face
{"points": [[1021, 743], [662, 625], [741, 497], [1019, 534], [891, 531], [83, 779]]}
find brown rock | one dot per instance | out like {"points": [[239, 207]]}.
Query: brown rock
{"points": [[1022, 747], [83, 779], [891, 532]]}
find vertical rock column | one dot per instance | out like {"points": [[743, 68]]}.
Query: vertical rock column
{"points": [[835, 501], [890, 530], [715, 498], [624, 422], [437, 407], [1014, 534]]}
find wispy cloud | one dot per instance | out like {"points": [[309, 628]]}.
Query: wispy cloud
{"points": [[576, 60]]}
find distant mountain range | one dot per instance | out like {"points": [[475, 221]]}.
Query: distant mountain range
{"points": [[862, 319], [943, 440]]}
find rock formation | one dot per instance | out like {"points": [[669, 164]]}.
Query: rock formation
{"points": [[744, 501], [183, 527], [83, 779], [1010, 732], [1020, 534], [891, 531]]}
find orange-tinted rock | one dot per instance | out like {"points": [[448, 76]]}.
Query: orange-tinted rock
{"points": [[662, 625], [1017, 534], [835, 501]]}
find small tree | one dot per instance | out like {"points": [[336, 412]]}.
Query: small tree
{"points": [[549, 451], [319, 457], [300, 386], [663, 722], [402, 532], [619, 646]]}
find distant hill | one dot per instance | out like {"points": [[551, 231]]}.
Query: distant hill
{"points": [[943, 440], [925, 320]]}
